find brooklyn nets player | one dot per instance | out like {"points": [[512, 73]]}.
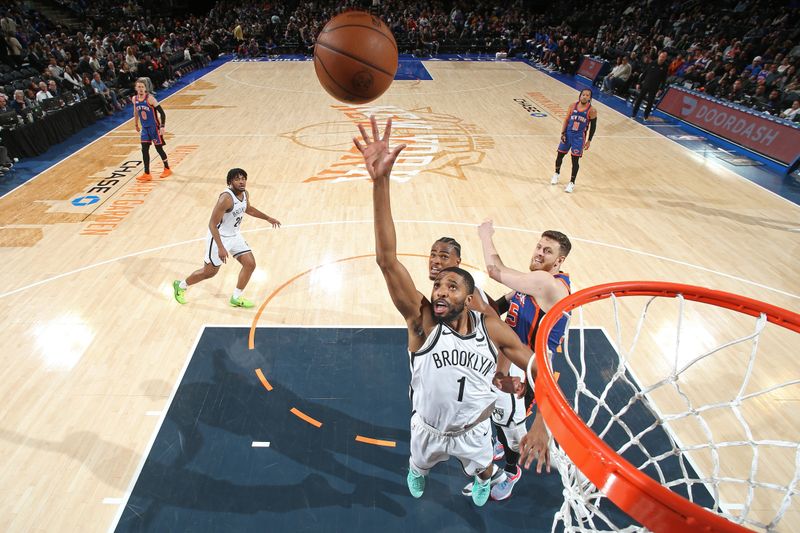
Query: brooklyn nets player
{"points": [[453, 350]]}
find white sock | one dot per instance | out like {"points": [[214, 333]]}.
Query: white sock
{"points": [[183, 285], [236, 293]]}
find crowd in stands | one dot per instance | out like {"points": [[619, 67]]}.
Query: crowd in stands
{"points": [[745, 51], [742, 51], [44, 65]]}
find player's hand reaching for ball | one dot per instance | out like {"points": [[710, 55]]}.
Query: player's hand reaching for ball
{"points": [[486, 230], [377, 156]]}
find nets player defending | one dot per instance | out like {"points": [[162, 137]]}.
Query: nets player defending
{"points": [[580, 115], [224, 238], [453, 350], [151, 127], [534, 294]]}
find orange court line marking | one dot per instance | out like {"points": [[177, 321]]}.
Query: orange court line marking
{"points": [[300, 414], [252, 338], [263, 379], [376, 442]]}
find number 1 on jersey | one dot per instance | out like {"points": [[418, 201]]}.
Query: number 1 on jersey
{"points": [[461, 382]]}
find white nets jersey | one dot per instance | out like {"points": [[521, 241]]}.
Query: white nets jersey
{"points": [[451, 376], [232, 220], [508, 409]]}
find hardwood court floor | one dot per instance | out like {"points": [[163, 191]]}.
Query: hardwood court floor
{"points": [[93, 341]]}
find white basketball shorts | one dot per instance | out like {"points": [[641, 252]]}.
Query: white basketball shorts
{"points": [[473, 447], [236, 246]]}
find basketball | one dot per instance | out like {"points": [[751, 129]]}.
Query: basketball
{"points": [[355, 57]]}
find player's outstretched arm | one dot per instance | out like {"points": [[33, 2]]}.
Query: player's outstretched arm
{"points": [[536, 284], [507, 341], [253, 212], [379, 161]]}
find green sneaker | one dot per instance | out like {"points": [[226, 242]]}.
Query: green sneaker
{"points": [[180, 294], [416, 483], [480, 491], [241, 302]]}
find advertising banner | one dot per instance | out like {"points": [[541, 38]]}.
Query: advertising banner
{"points": [[590, 67], [774, 138]]}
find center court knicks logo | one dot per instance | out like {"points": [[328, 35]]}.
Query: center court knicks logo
{"points": [[437, 143]]}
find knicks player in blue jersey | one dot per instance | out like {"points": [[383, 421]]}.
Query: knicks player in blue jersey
{"points": [[581, 117], [533, 294], [452, 349], [151, 127]]}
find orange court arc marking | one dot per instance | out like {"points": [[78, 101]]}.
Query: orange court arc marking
{"points": [[376, 442], [263, 379], [301, 415], [251, 340]]}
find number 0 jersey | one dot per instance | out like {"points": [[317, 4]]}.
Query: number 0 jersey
{"points": [[232, 220], [451, 376], [146, 112]]}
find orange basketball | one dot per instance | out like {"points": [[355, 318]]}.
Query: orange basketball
{"points": [[355, 57]]}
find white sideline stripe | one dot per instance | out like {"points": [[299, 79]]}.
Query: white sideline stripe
{"points": [[260, 444]]}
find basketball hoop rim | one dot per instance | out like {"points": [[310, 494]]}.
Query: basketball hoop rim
{"points": [[643, 498]]}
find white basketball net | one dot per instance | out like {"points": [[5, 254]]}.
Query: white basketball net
{"points": [[707, 483]]}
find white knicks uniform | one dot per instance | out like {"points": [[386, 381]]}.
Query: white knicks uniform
{"points": [[451, 387], [229, 232]]}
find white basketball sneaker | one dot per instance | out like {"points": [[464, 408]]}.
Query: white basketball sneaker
{"points": [[502, 490], [570, 187], [499, 451], [554, 179], [498, 476]]}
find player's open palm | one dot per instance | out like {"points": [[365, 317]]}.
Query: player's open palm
{"points": [[377, 156], [534, 445]]}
